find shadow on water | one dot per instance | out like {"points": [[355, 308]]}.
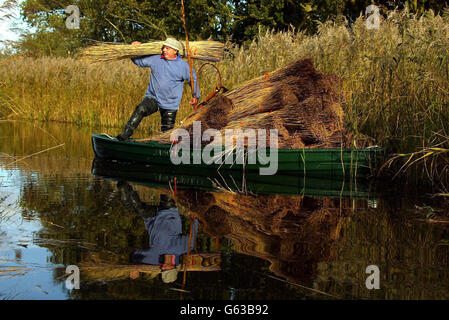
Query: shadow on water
{"points": [[127, 228]]}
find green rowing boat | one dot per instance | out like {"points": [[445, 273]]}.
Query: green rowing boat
{"points": [[310, 162]]}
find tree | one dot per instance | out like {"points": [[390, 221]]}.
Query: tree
{"points": [[252, 15]]}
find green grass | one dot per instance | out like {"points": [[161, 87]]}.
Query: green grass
{"points": [[395, 81]]}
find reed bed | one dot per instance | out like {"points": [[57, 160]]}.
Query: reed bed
{"points": [[394, 80]]}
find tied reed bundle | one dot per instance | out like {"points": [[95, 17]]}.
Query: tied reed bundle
{"points": [[301, 103], [104, 270], [103, 52]]}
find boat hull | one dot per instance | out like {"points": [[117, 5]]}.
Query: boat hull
{"points": [[334, 162]]}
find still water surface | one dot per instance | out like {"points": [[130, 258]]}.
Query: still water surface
{"points": [[291, 238]]}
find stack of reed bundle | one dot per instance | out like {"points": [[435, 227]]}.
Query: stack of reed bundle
{"points": [[301, 103], [103, 52]]}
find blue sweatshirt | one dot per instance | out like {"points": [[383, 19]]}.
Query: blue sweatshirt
{"points": [[167, 79], [165, 233]]}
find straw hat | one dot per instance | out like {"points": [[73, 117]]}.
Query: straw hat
{"points": [[173, 43]]}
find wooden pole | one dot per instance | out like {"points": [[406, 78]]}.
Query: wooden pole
{"points": [[189, 58]]}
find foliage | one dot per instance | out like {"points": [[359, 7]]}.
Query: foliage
{"points": [[6, 15], [5, 9]]}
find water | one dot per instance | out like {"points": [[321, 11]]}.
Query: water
{"points": [[301, 239]]}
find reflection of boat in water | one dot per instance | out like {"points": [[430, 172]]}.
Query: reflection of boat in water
{"points": [[235, 181], [292, 222]]}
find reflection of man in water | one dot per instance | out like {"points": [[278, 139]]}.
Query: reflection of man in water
{"points": [[167, 243]]}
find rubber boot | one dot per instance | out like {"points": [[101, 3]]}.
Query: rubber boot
{"points": [[168, 118], [145, 108], [133, 122], [132, 199]]}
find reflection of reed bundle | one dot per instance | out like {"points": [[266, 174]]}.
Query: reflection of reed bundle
{"points": [[299, 102], [201, 50], [292, 232], [100, 269], [111, 271], [272, 214]]}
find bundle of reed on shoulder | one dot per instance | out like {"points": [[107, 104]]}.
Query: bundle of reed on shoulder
{"points": [[105, 51]]}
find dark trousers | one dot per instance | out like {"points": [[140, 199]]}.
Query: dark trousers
{"points": [[147, 107]]}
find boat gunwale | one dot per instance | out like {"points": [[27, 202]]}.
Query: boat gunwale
{"points": [[302, 150]]}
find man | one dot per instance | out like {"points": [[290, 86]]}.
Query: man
{"points": [[164, 92]]}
